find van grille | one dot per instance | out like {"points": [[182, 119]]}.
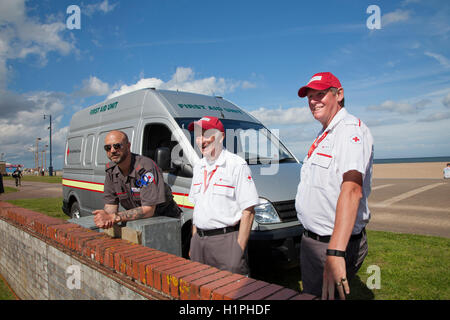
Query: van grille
{"points": [[286, 210]]}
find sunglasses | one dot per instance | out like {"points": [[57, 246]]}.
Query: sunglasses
{"points": [[116, 146]]}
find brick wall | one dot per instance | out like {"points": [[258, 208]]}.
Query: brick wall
{"points": [[48, 258]]}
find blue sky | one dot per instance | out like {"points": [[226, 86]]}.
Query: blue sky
{"points": [[254, 53]]}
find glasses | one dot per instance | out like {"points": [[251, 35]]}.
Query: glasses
{"points": [[116, 146]]}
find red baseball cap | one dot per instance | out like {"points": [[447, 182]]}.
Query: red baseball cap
{"points": [[207, 123], [320, 81]]}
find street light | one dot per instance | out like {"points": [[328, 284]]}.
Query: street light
{"points": [[50, 168], [36, 155]]}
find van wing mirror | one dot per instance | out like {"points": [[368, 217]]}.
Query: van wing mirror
{"points": [[162, 156]]}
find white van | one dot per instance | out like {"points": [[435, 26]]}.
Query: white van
{"points": [[156, 123]]}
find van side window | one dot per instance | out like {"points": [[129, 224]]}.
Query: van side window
{"points": [[88, 150], [73, 150], [155, 136]]}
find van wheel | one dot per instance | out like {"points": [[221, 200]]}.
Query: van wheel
{"points": [[75, 210]]}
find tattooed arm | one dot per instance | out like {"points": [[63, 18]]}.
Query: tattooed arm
{"points": [[135, 213], [107, 217]]}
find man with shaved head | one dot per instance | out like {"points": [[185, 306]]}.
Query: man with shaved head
{"points": [[135, 182]]}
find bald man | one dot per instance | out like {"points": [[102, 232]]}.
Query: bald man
{"points": [[135, 182]]}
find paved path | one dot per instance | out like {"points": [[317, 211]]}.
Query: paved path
{"points": [[419, 206], [30, 190]]}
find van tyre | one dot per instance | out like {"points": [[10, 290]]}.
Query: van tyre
{"points": [[75, 210]]}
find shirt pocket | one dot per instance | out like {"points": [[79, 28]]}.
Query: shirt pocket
{"points": [[320, 169], [224, 186], [196, 187]]}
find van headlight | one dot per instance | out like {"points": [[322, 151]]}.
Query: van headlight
{"points": [[266, 213]]}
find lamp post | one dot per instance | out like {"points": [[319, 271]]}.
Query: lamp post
{"points": [[50, 168], [36, 155]]}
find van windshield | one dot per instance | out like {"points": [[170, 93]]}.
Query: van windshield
{"points": [[251, 141]]}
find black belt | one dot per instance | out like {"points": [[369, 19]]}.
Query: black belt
{"points": [[215, 232], [326, 239]]}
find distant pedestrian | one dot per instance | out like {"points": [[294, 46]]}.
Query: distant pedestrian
{"points": [[17, 175], [447, 171]]}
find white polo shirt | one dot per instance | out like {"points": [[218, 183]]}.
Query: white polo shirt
{"points": [[348, 145], [221, 190]]}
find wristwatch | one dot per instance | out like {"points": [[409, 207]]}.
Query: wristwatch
{"points": [[336, 253]]}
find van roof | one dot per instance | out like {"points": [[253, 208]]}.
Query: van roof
{"points": [[178, 104]]}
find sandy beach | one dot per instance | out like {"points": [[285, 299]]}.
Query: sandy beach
{"points": [[417, 170]]}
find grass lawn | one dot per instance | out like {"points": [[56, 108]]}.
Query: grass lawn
{"points": [[48, 206], [10, 190], [48, 179], [412, 267]]}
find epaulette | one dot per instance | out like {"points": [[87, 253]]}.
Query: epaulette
{"points": [[110, 165], [352, 120]]}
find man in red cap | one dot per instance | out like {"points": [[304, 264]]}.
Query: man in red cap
{"points": [[224, 196], [331, 199]]}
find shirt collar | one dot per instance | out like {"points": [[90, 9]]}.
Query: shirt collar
{"points": [[218, 162], [132, 172], [339, 116]]}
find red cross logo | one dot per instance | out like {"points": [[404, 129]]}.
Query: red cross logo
{"points": [[355, 139]]}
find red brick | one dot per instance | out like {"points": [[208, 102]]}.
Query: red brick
{"points": [[143, 266], [109, 253], [136, 262], [239, 293], [263, 292], [153, 278], [52, 231], [123, 251], [122, 257], [131, 260], [82, 238], [175, 277], [165, 271], [90, 250], [196, 284], [100, 248], [187, 288], [219, 293], [207, 289], [283, 294], [126, 259]]}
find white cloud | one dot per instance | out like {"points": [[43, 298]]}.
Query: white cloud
{"points": [[282, 116], [93, 87], [440, 58], [437, 116], [184, 80], [400, 107], [395, 17], [446, 100], [22, 121], [22, 36], [103, 7]]}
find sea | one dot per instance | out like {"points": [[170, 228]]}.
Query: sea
{"points": [[411, 160]]}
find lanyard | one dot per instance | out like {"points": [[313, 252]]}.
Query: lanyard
{"points": [[316, 143], [205, 174]]}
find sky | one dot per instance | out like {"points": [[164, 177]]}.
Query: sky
{"points": [[395, 70]]}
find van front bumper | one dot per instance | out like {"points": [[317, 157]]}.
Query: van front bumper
{"points": [[276, 234], [282, 245]]}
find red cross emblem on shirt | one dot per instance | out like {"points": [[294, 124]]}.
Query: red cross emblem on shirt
{"points": [[355, 139]]}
